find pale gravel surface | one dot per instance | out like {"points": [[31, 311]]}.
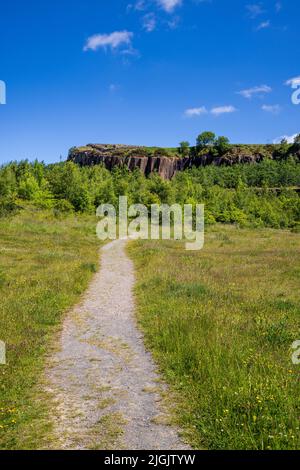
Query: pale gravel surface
{"points": [[107, 392]]}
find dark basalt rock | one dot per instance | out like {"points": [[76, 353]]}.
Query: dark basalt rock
{"points": [[130, 157], [158, 160]]}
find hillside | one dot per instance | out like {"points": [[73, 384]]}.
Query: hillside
{"points": [[169, 161]]}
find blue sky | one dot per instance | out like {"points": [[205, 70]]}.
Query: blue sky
{"points": [[151, 72]]}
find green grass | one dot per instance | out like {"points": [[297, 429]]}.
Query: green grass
{"points": [[220, 323], [45, 264]]}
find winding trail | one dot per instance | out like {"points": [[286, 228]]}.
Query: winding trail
{"points": [[106, 391]]}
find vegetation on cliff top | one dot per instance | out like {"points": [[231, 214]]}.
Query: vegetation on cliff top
{"points": [[207, 143]]}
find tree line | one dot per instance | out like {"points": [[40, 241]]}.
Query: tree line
{"points": [[241, 194], [209, 142]]}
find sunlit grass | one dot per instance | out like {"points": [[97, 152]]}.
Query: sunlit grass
{"points": [[220, 323], [45, 264]]}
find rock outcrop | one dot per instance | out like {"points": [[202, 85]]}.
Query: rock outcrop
{"points": [[165, 162], [130, 156]]}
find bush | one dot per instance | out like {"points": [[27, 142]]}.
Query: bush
{"points": [[222, 145], [62, 206], [8, 183], [184, 148], [28, 187], [8, 207], [81, 199], [161, 152]]}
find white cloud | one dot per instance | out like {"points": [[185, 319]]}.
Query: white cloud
{"points": [[263, 25], [112, 40], [223, 110], [293, 81], [257, 90], [169, 5], [255, 10], [217, 111], [278, 7], [290, 139], [273, 109], [193, 112], [139, 5], [142, 5], [149, 22]]}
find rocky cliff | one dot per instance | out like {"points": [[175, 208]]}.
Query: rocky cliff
{"points": [[165, 162], [130, 156]]}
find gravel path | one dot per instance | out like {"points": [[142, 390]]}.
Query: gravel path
{"points": [[106, 390]]}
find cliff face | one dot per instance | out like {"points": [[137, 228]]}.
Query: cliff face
{"points": [[150, 160], [129, 156]]}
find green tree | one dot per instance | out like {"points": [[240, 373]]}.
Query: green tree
{"points": [[28, 187], [163, 189], [282, 150], [206, 139], [184, 148], [8, 183], [297, 140], [71, 151], [295, 148], [222, 145]]}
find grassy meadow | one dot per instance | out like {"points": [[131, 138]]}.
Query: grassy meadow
{"points": [[46, 262], [220, 323]]}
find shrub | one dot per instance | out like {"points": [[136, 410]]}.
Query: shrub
{"points": [[222, 145], [81, 199], [8, 207], [8, 183], [184, 148], [62, 206], [161, 152], [28, 187]]}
